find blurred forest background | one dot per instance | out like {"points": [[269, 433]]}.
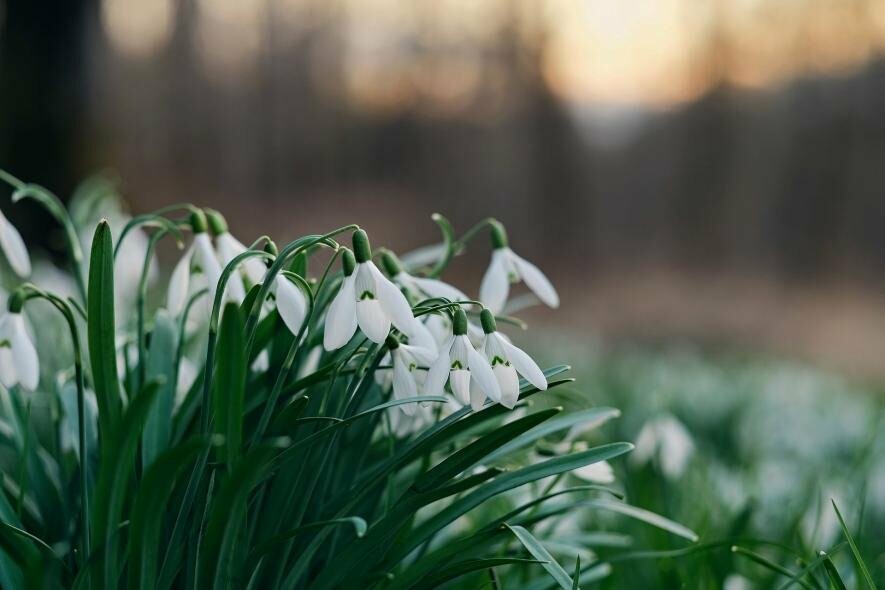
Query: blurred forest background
{"points": [[707, 171]]}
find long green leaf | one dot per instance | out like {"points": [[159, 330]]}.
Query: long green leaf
{"points": [[230, 382], [148, 511], [865, 573], [160, 363], [538, 551], [832, 572], [462, 568], [101, 329], [645, 516], [116, 469]]}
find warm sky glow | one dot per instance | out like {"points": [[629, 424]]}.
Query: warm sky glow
{"points": [[440, 54]]}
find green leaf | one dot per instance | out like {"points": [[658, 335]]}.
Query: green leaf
{"points": [[592, 417], [230, 383], [359, 527], [227, 515], [461, 568], [480, 448], [148, 511], [832, 572], [865, 573], [101, 329], [115, 472], [160, 363], [576, 577], [767, 563], [549, 563], [645, 516]]}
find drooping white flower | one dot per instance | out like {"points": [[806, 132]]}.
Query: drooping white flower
{"points": [[407, 378], [507, 267], [666, 439], [252, 269], [366, 299], [600, 472], [13, 247], [19, 364], [508, 362], [418, 287], [469, 374], [200, 259]]}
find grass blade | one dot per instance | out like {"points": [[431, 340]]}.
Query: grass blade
{"points": [[160, 364], [230, 383], [865, 573], [101, 328], [548, 562]]}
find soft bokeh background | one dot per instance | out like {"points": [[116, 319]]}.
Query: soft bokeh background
{"points": [[708, 171], [703, 181]]}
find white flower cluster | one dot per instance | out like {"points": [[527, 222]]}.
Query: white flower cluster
{"points": [[438, 346]]}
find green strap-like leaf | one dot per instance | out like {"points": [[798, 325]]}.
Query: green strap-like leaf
{"points": [[548, 562], [101, 328], [865, 573], [229, 384], [160, 363]]}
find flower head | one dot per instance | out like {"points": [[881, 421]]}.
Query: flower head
{"points": [[18, 357], [467, 371], [507, 267], [366, 299], [199, 259], [228, 247], [14, 248], [666, 439], [508, 362], [418, 287], [407, 378]]}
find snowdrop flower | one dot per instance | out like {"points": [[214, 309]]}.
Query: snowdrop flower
{"points": [[507, 267], [666, 439], [366, 299], [508, 362], [199, 258], [420, 288], [600, 472], [467, 371], [14, 248], [407, 378], [18, 357], [228, 247]]}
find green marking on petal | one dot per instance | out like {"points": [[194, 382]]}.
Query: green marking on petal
{"points": [[457, 365], [366, 295]]}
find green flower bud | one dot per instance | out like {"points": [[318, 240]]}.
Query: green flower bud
{"points": [[498, 234], [198, 221], [217, 223], [16, 301], [392, 265], [391, 342], [361, 248], [347, 262], [459, 323], [487, 319]]}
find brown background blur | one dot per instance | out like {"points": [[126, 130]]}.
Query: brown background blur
{"points": [[702, 171]]}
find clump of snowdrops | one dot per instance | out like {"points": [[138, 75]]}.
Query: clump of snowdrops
{"points": [[320, 414]]}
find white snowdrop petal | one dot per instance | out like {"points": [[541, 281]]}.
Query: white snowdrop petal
{"points": [[599, 472], [525, 365], [477, 398], [373, 320], [24, 355], [482, 373], [424, 356], [536, 281], [228, 248], [179, 284], [495, 283], [646, 444], [8, 375], [341, 319], [420, 336], [291, 304], [435, 382], [437, 288], [508, 382], [459, 379], [208, 262], [14, 248], [404, 386], [392, 299]]}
